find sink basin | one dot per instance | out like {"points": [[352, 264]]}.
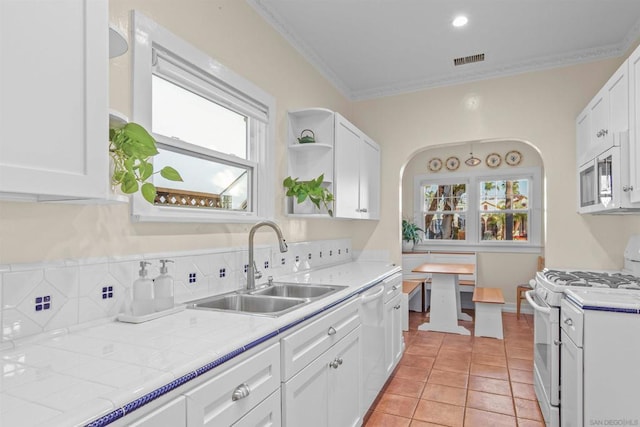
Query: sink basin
{"points": [[254, 304], [297, 290]]}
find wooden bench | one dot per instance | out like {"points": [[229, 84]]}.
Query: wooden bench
{"points": [[488, 302], [409, 288]]}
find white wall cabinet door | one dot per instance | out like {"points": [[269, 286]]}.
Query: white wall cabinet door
{"points": [[328, 391], [54, 103], [357, 173], [634, 127]]}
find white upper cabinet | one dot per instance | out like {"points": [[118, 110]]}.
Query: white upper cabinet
{"points": [[357, 173], [633, 188], [349, 160], [54, 103]]}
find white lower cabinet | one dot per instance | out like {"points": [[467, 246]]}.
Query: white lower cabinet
{"points": [[171, 414], [228, 396], [328, 391], [266, 414], [394, 340]]}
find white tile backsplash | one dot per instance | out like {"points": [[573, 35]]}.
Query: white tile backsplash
{"points": [[53, 296]]}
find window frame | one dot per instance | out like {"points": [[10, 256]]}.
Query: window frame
{"points": [[473, 240], [226, 88]]}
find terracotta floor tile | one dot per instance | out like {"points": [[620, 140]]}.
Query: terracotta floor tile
{"points": [[418, 423], [528, 409], [520, 353], [396, 405], [490, 402], [489, 359], [451, 365], [489, 371], [409, 372], [423, 349], [429, 337], [439, 413], [525, 365], [489, 385], [478, 418], [453, 379], [405, 387], [489, 349], [380, 419], [416, 361], [445, 394], [523, 391], [458, 339], [520, 376], [528, 423], [447, 353]]}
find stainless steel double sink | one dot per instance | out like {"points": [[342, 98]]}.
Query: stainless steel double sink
{"points": [[271, 300]]}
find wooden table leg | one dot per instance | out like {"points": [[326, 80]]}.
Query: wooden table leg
{"points": [[444, 305]]}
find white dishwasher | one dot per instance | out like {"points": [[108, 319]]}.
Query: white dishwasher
{"points": [[373, 342]]}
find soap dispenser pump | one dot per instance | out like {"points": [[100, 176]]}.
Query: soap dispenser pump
{"points": [[163, 286], [143, 294]]}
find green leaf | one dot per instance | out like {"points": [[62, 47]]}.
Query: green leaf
{"points": [[170, 173], [129, 183], [301, 197], [145, 145], [148, 191], [146, 170]]}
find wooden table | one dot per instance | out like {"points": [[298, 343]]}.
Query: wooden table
{"points": [[445, 297]]}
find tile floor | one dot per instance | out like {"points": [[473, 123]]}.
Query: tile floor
{"points": [[454, 380]]}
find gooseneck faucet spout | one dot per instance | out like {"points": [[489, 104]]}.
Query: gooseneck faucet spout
{"points": [[252, 272]]}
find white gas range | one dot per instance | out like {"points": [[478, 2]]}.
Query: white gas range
{"points": [[610, 289]]}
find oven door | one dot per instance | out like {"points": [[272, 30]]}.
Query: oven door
{"points": [[546, 356]]}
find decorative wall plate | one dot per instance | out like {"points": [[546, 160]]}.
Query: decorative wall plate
{"points": [[513, 158], [452, 163], [435, 164], [493, 160]]}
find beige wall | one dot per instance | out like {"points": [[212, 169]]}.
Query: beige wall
{"points": [[537, 107]]}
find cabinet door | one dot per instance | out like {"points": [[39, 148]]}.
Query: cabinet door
{"points": [[393, 333], [599, 112], [347, 173], [571, 386], [369, 179], [54, 103], [583, 134], [266, 414], [634, 127], [327, 392], [172, 414]]}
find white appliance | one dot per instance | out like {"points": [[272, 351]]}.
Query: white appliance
{"points": [[373, 341], [604, 183], [550, 286]]}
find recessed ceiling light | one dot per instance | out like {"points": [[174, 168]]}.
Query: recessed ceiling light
{"points": [[460, 21]]}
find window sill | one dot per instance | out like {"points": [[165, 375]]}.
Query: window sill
{"points": [[471, 247]]}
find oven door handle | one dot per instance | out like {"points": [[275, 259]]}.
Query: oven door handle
{"points": [[537, 307]]}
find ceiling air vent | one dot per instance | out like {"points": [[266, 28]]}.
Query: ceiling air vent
{"points": [[468, 59]]}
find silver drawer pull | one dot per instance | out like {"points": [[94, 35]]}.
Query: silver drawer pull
{"points": [[397, 307], [331, 331], [568, 322], [339, 360], [557, 342], [241, 392], [394, 287], [334, 364]]}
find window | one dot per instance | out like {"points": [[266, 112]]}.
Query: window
{"points": [[476, 209], [212, 125]]}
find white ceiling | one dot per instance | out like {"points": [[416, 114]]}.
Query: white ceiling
{"points": [[374, 48]]}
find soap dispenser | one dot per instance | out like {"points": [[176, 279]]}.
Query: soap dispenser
{"points": [[163, 287], [143, 303]]}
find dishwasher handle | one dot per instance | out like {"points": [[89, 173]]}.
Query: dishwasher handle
{"points": [[368, 298], [536, 306]]}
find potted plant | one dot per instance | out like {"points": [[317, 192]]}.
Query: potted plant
{"points": [[317, 194], [410, 235], [131, 147]]}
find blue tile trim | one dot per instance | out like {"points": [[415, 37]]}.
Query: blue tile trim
{"points": [[141, 401]]}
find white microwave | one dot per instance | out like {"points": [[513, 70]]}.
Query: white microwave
{"points": [[603, 182]]}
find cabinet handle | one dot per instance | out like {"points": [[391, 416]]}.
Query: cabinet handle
{"points": [[364, 210], [339, 360], [397, 307], [601, 133], [627, 188], [331, 331], [394, 287], [334, 364], [568, 322], [557, 342], [241, 392]]}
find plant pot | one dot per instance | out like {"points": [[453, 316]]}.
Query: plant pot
{"points": [[308, 208], [407, 246]]}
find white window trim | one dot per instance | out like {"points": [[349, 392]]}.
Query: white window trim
{"points": [[472, 179], [148, 34]]}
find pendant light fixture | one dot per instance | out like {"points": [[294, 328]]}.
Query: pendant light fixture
{"points": [[472, 161]]}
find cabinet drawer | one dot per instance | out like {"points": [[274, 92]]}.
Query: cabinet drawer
{"points": [[571, 321], [392, 286], [172, 414], [266, 414], [303, 346], [212, 404]]}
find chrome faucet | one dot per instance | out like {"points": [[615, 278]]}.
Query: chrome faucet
{"points": [[252, 271]]}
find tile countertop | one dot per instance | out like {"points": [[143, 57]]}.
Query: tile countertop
{"points": [[72, 377]]}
